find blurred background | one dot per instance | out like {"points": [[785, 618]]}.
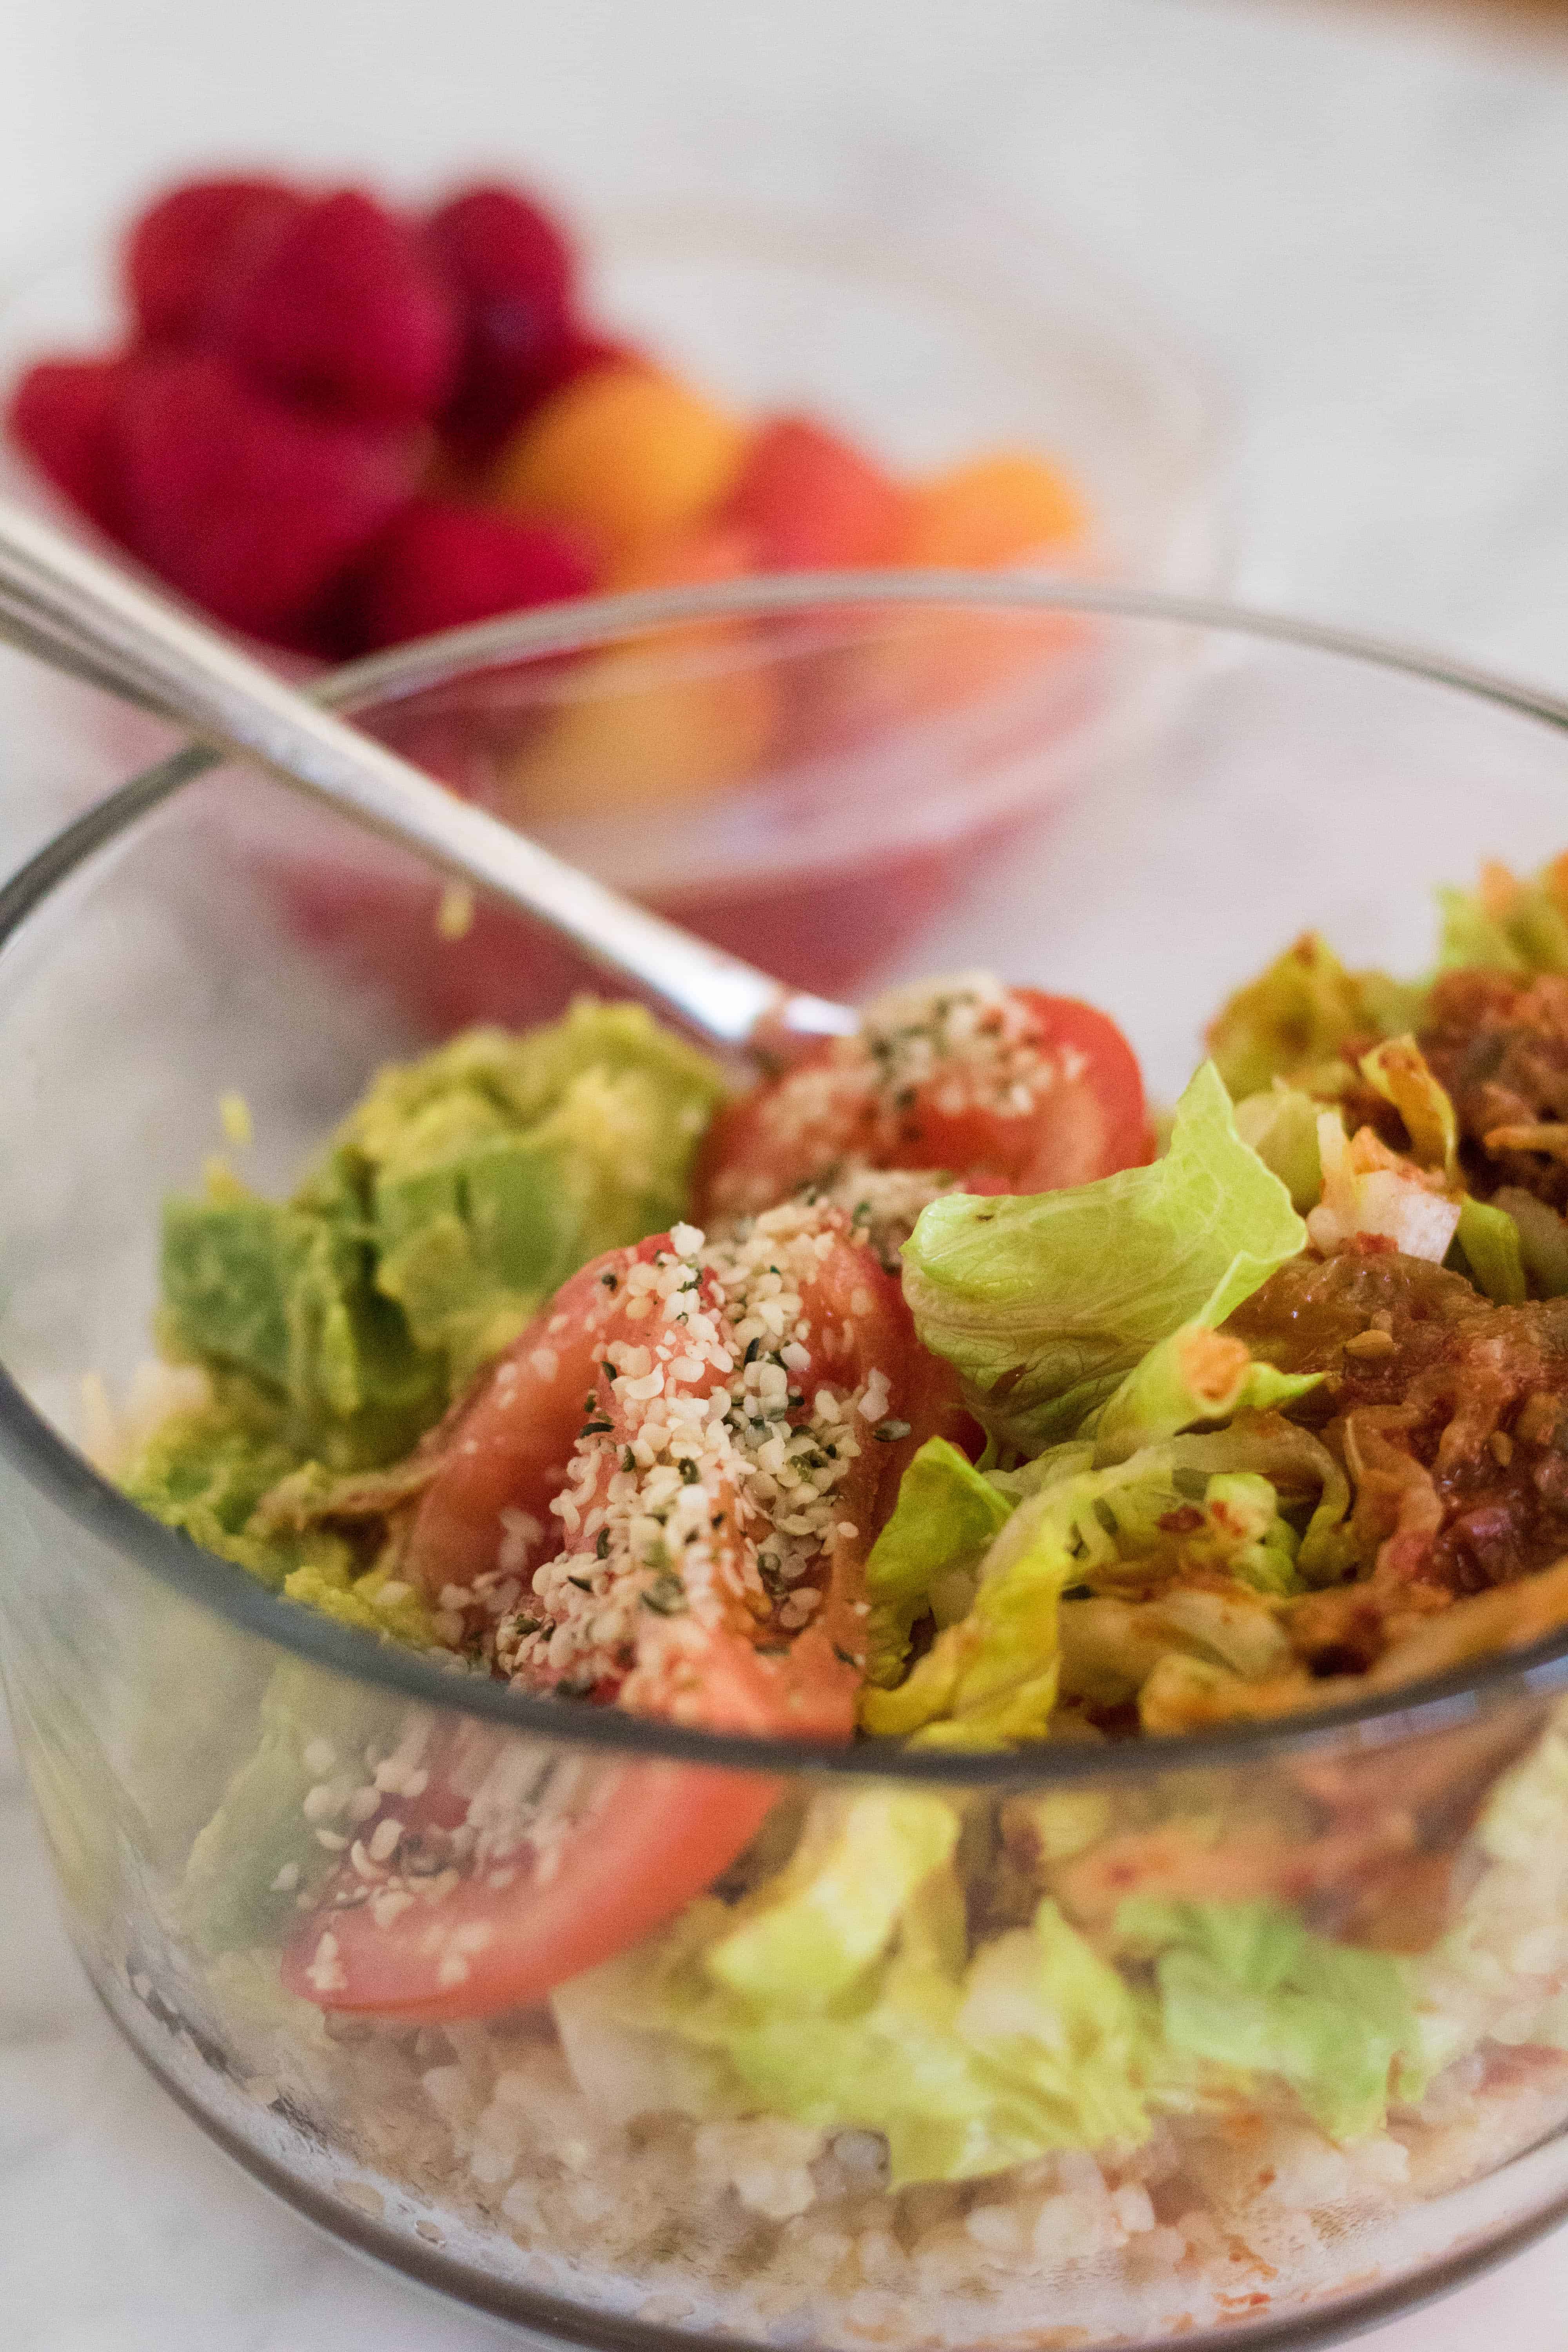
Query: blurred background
{"points": [[1349, 217]]}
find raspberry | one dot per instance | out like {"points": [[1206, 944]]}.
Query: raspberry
{"points": [[248, 506], [511, 271], [187, 249], [345, 311], [60, 413], [438, 566]]}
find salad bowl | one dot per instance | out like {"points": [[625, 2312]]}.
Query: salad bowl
{"points": [[971, 2122]]}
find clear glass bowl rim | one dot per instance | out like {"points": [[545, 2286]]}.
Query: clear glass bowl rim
{"points": [[32, 1449]]}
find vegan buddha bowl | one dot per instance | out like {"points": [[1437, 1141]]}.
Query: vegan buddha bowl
{"points": [[915, 1701]]}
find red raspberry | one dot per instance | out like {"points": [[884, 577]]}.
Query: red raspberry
{"points": [[511, 271], [438, 566], [60, 413], [188, 248], [345, 310], [249, 507]]}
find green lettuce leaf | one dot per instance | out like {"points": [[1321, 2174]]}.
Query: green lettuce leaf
{"points": [[967, 2071], [1281, 1126], [1045, 1303], [943, 1523], [1195, 1376], [1507, 925], [1490, 1242], [833, 1911], [992, 1679], [1244, 1985], [1296, 1018]]}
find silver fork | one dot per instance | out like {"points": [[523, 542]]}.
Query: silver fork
{"points": [[81, 614]]}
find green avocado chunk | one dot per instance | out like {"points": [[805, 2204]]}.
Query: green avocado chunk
{"points": [[457, 1195]]}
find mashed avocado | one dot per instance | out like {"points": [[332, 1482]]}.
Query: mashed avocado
{"points": [[337, 1325]]}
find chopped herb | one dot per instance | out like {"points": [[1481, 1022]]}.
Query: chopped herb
{"points": [[602, 1549], [772, 1649], [628, 1459], [597, 1429], [608, 1370], [529, 1624], [609, 1281], [753, 1349], [689, 1474], [582, 1583], [843, 1657]]}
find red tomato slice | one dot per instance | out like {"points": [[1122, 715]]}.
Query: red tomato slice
{"points": [[1063, 1104], [652, 1835], [506, 1444]]}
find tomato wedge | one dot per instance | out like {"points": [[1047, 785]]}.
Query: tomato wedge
{"points": [[638, 1392], [646, 1838], [1006, 1090]]}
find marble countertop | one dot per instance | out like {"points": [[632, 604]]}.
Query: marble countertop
{"points": [[1356, 219]]}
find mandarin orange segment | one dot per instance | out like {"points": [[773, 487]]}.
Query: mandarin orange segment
{"points": [[652, 729], [993, 509], [627, 455]]}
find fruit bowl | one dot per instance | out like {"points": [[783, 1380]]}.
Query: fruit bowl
{"points": [[188, 1735], [967, 330]]}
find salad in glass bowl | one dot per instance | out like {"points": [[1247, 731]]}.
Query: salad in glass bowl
{"points": [[910, 1704]]}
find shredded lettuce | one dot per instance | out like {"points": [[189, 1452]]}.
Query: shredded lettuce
{"points": [[1244, 1985], [942, 1522], [1281, 1126], [1490, 1242], [817, 1926], [966, 2069], [1507, 924], [1045, 1303], [992, 1678], [1398, 1071], [1196, 1375], [1297, 1017]]}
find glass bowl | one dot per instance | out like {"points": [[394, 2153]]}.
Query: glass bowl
{"points": [[200, 1751], [966, 329]]}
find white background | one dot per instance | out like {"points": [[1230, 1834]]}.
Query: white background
{"points": [[1361, 221]]}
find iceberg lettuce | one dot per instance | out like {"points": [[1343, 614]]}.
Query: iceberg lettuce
{"points": [[1196, 1375], [832, 1912], [1247, 1986], [966, 2069], [1492, 1246], [1297, 1017], [943, 1523], [1045, 1303], [992, 1678], [1506, 924]]}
